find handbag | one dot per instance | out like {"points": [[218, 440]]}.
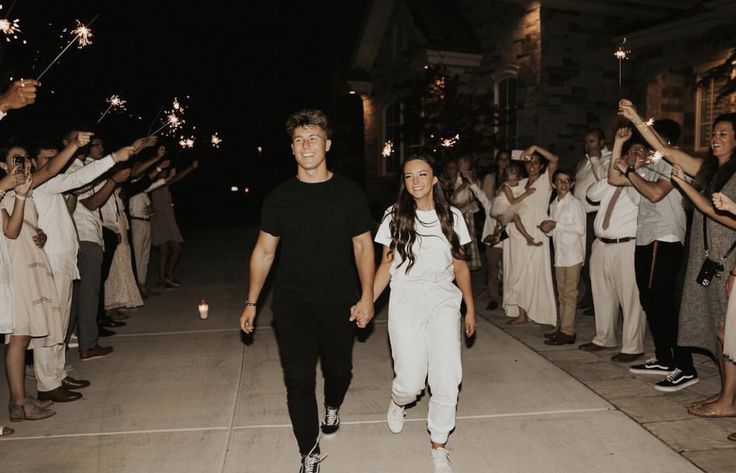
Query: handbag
{"points": [[711, 268]]}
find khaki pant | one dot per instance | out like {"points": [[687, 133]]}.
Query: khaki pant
{"points": [[613, 281], [48, 362], [494, 256], [567, 278]]}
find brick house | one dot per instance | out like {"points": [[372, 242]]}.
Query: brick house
{"points": [[549, 66]]}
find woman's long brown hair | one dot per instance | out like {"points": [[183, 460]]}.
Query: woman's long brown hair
{"points": [[403, 217]]}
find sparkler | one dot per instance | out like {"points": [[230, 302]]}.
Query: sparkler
{"points": [[449, 142], [215, 140], [622, 54], [388, 148], [173, 120], [186, 142], [115, 103], [82, 34], [10, 28]]}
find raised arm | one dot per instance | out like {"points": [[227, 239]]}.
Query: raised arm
{"points": [[261, 261], [98, 199], [20, 93], [55, 165], [182, 174], [552, 160], [12, 224], [701, 202], [689, 164], [143, 166]]}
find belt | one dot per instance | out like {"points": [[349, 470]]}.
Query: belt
{"points": [[140, 218], [609, 241]]}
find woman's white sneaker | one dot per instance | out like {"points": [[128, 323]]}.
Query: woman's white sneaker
{"points": [[441, 460], [395, 417]]}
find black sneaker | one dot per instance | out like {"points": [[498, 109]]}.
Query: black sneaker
{"points": [[311, 461], [331, 422], [652, 366], [676, 381]]}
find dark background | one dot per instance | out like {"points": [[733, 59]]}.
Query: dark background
{"points": [[245, 66]]}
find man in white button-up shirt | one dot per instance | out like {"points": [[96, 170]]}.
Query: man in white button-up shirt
{"points": [[62, 247], [567, 229], [612, 275]]}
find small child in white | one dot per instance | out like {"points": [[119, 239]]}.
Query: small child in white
{"points": [[567, 229]]}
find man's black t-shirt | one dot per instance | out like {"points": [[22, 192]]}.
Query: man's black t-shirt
{"points": [[316, 223]]}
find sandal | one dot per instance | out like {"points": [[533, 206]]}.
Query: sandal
{"points": [[5, 431], [28, 411], [701, 411], [696, 404]]}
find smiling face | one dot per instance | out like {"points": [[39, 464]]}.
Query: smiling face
{"points": [[722, 140], [419, 179], [310, 146], [534, 167], [563, 184]]}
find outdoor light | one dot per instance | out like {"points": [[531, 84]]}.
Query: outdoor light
{"points": [[246, 189], [260, 150], [203, 309], [352, 92], [234, 189]]}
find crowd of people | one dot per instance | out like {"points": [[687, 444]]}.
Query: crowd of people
{"points": [[642, 232], [78, 224]]}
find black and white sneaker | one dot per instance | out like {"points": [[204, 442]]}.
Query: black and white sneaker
{"points": [[331, 422], [311, 461], [676, 381], [652, 366]]}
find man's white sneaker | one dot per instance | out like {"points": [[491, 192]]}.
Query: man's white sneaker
{"points": [[395, 417], [441, 460]]}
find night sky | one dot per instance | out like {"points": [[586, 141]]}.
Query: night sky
{"points": [[245, 66]]}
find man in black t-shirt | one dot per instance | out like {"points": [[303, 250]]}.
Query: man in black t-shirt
{"points": [[323, 225]]}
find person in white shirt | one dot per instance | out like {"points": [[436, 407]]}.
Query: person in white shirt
{"points": [[567, 229], [422, 238], [612, 274], [61, 247], [590, 170]]}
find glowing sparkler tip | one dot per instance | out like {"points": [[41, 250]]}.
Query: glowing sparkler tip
{"points": [[388, 148], [650, 122], [116, 102], [216, 140], [10, 28], [83, 34], [186, 142], [450, 142]]}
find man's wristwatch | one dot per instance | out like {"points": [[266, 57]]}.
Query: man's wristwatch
{"points": [[250, 304], [628, 170]]}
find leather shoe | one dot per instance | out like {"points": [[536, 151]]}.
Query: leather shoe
{"points": [[71, 383], [626, 357], [554, 334], [591, 347], [103, 332], [561, 339], [118, 315], [60, 394], [96, 352], [108, 322]]}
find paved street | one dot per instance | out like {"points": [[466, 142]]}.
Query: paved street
{"points": [[181, 394]]}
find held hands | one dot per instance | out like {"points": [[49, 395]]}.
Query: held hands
{"points": [[723, 202], [12, 180], [623, 135], [142, 143], [123, 154], [677, 172], [362, 313], [21, 93], [23, 188], [40, 238], [246, 319]]}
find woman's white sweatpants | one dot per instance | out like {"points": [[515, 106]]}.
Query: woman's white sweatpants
{"points": [[424, 328]]}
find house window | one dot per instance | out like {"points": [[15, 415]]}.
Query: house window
{"points": [[393, 121], [708, 107], [506, 101]]}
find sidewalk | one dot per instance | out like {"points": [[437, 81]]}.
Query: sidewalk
{"points": [[181, 394]]}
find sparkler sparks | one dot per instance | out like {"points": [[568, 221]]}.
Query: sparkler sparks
{"points": [[216, 140], [82, 34], [10, 28], [173, 119], [115, 103], [654, 157], [622, 54], [450, 142], [388, 148], [186, 142]]}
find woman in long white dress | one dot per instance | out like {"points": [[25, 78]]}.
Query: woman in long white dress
{"points": [[527, 282]]}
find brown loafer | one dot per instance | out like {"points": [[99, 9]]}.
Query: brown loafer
{"points": [[626, 357], [96, 352], [554, 334], [71, 383], [561, 339], [591, 347], [59, 394]]}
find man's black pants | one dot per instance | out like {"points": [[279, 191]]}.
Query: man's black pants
{"points": [[306, 333], [657, 265]]}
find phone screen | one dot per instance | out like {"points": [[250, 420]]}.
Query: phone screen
{"points": [[20, 164]]}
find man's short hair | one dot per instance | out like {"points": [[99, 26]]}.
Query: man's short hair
{"points": [[308, 117], [597, 131]]}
